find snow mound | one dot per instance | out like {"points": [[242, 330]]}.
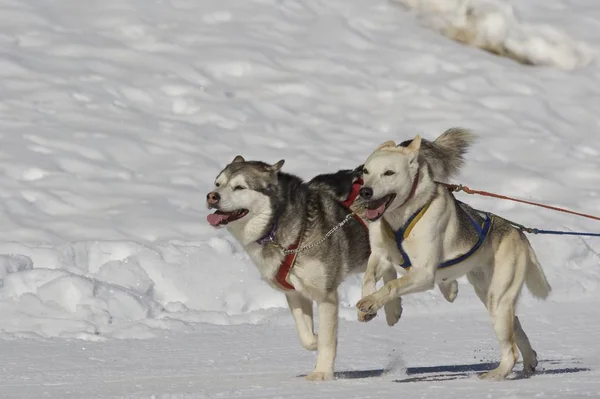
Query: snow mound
{"points": [[96, 290], [126, 290], [494, 26]]}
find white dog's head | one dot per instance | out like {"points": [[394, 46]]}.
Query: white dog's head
{"points": [[243, 190], [389, 176]]}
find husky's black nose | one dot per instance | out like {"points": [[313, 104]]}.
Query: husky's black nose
{"points": [[213, 198], [366, 193]]}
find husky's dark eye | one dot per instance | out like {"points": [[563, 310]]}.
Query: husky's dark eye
{"points": [[389, 173], [217, 185], [365, 171], [236, 188]]}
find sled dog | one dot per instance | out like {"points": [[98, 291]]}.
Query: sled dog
{"points": [[272, 214], [418, 226]]}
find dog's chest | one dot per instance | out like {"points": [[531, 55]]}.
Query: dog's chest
{"points": [[307, 275], [266, 260]]}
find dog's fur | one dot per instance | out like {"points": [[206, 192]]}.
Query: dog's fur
{"points": [[309, 209], [497, 270]]}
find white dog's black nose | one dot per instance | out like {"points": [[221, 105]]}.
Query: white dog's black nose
{"points": [[366, 193]]}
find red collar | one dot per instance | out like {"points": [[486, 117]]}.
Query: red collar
{"points": [[412, 190]]}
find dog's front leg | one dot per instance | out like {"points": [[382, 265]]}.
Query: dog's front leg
{"points": [[327, 341], [393, 308], [414, 281], [449, 290], [369, 283], [420, 278], [302, 311]]}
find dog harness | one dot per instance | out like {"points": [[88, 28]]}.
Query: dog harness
{"points": [[352, 197], [403, 233], [281, 278]]}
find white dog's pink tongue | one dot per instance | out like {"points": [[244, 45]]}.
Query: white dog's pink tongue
{"points": [[375, 213], [216, 219]]}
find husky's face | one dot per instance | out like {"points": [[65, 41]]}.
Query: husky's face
{"points": [[242, 191], [388, 176]]}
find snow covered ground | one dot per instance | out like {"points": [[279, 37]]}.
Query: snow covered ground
{"points": [[115, 117], [423, 357]]}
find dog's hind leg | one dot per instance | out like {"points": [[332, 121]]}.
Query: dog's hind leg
{"points": [[327, 341], [302, 311], [503, 318], [505, 287], [529, 356], [393, 308], [501, 322]]}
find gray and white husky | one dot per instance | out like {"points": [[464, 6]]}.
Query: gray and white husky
{"points": [[270, 212], [417, 223]]}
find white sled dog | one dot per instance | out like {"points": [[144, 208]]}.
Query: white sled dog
{"points": [[417, 223], [274, 214]]}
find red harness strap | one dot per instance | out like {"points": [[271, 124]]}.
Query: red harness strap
{"points": [[353, 193], [281, 277], [352, 197]]}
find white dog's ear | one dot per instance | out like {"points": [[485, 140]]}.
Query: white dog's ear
{"points": [[415, 144], [412, 150], [238, 159], [389, 143], [276, 167]]}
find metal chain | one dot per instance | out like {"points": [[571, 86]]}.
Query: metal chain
{"points": [[316, 243]]}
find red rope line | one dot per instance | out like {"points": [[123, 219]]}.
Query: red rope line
{"points": [[460, 187]]}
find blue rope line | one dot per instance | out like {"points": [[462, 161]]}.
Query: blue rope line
{"points": [[542, 231], [556, 232]]}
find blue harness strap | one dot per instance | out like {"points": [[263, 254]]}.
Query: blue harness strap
{"points": [[400, 238], [482, 232]]}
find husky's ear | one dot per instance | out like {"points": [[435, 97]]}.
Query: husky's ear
{"points": [[414, 145], [238, 159], [389, 143], [276, 167], [357, 172], [412, 150]]}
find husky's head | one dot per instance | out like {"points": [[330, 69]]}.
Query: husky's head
{"points": [[242, 192], [389, 174]]}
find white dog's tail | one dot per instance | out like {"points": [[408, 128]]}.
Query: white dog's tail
{"points": [[448, 151], [535, 279]]}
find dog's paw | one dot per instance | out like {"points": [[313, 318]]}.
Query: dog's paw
{"points": [[449, 290], [393, 311], [365, 317], [368, 305], [311, 344], [530, 364], [319, 376], [493, 375]]}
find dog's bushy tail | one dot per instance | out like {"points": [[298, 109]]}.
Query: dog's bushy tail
{"points": [[446, 153], [535, 279]]}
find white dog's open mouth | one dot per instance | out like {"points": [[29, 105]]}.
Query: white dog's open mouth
{"points": [[220, 218], [376, 208]]}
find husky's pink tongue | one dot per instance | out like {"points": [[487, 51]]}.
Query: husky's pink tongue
{"points": [[375, 213], [216, 219]]}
